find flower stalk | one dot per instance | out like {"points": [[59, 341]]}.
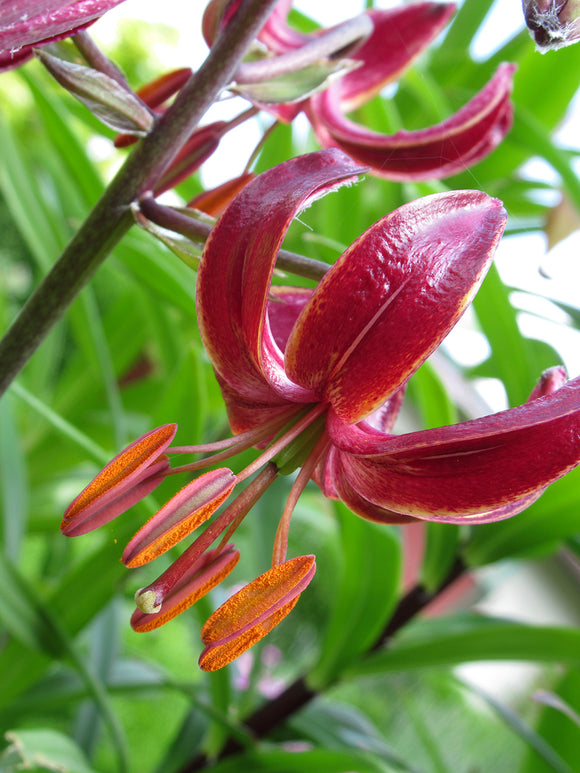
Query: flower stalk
{"points": [[111, 217], [192, 228]]}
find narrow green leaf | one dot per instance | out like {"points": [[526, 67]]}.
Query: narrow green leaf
{"points": [[61, 425], [465, 25], [22, 192], [429, 393], [512, 359], [532, 134], [341, 726], [365, 593], [72, 152], [315, 761], [35, 624], [13, 480], [473, 639], [558, 729], [532, 739], [440, 553], [24, 615]]}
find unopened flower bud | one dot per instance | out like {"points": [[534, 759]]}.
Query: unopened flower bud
{"points": [[553, 23]]}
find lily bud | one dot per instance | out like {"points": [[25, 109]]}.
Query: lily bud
{"points": [[214, 201], [252, 612], [550, 381], [553, 24], [198, 148]]}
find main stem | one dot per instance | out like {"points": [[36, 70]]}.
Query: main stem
{"points": [[111, 217]]}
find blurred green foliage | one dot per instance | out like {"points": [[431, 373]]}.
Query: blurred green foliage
{"points": [[79, 689]]}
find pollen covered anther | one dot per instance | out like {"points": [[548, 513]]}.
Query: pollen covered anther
{"points": [[253, 611], [184, 512]]}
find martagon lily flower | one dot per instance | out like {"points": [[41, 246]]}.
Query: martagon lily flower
{"points": [[398, 37], [24, 25], [314, 379]]}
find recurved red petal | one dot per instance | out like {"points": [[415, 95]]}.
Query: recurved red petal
{"points": [[400, 35], [252, 612], [27, 24], [356, 501], [277, 35], [391, 298], [478, 471], [233, 281], [433, 153]]}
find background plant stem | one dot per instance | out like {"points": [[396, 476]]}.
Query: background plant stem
{"points": [[111, 218]]}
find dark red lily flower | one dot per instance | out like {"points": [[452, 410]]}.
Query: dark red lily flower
{"points": [[398, 37], [314, 379], [24, 25], [349, 347]]}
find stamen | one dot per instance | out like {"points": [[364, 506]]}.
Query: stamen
{"points": [[196, 581], [184, 512], [281, 538], [283, 441], [239, 508], [232, 445]]}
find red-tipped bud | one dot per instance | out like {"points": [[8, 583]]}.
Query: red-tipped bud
{"points": [[214, 201], [253, 611], [154, 94], [132, 474], [550, 381], [553, 23], [180, 516], [199, 147], [156, 607]]}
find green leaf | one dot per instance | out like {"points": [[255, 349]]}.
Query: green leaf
{"points": [[13, 480], [341, 726], [465, 25], [41, 749], [61, 425], [556, 728], [537, 531], [315, 761], [512, 359], [365, 593], [20, 186], [36, 624], [440, 553], [56, 126], [536, 744], [431, 397], [297, 85], [117, 107], [24, 615], [468, 639]]}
